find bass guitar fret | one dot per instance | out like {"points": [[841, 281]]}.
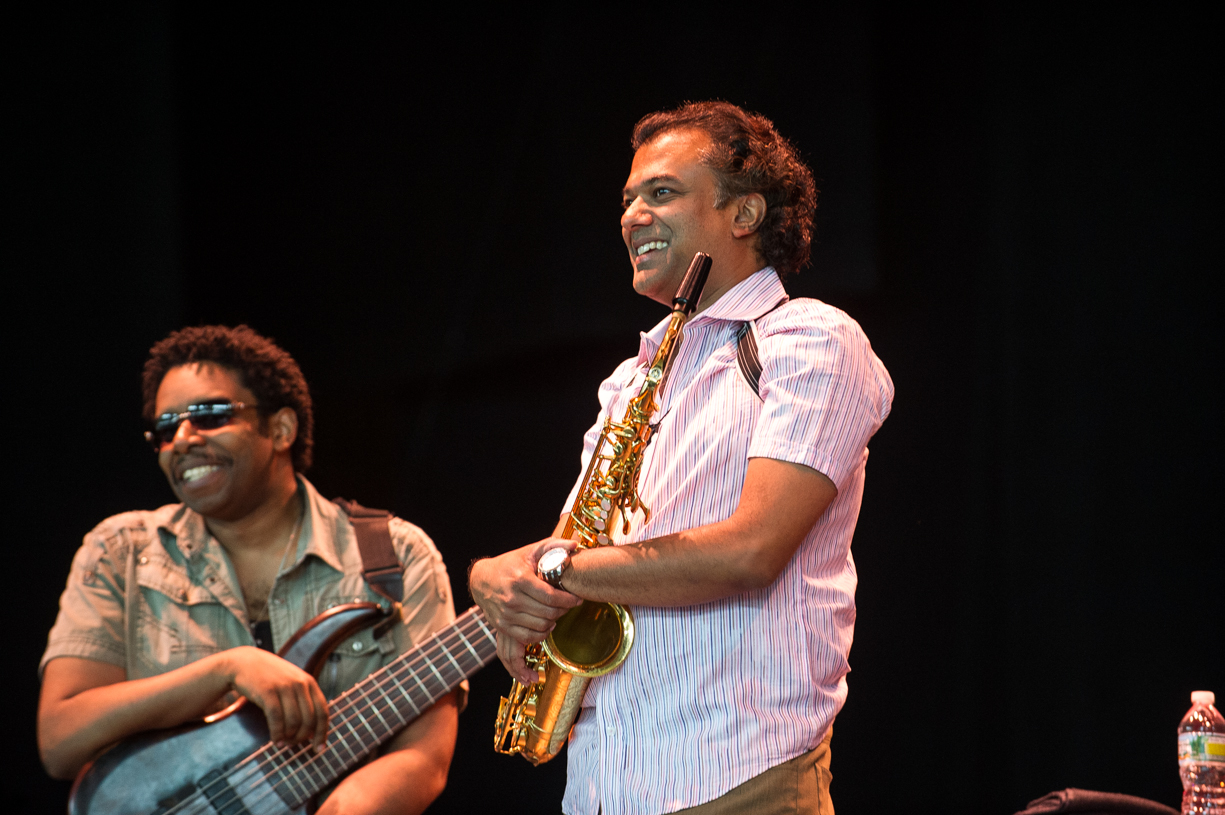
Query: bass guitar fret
{"points": [[475, 657], [407, 696]]}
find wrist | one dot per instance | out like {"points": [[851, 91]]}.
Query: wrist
{"points": [[553, 566], [227, 667], [472, 567]]}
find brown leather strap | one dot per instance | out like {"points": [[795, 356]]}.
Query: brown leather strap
{"points": [[380, 566], [747, 357]]}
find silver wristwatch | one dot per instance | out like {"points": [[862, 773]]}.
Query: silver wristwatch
{"points": [[552, 566]]}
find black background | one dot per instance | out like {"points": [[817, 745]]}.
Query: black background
{"points": [[1016, 206]]}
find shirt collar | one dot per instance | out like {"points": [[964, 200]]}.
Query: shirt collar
{"points": [[747, 300], [321, 526], [187, 529]]}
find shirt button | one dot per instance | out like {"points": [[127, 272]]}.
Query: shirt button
{"points": [[280, 601], [143, 560], [612, 731], [357, 645]]}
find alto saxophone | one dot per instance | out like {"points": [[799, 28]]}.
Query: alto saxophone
{"points": [[594, 638]]}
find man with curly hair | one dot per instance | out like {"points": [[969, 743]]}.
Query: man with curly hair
{"points": [[169, 614], [741, 582]]}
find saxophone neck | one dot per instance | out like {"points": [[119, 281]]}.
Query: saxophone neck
{"points": [[657, 374], [683, 306]]}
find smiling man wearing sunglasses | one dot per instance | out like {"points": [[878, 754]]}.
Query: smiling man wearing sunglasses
{"points": [[168, 614]]}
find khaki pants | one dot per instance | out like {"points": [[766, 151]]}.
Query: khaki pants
{"points": [[800, 785]]}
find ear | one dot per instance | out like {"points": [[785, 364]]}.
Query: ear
{"points": [[284, 427], [750, 212]]}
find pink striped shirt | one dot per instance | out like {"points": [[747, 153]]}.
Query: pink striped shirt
{"points": [[715, 694]]}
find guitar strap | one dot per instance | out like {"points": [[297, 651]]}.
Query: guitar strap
{"points": [[380, 566]]}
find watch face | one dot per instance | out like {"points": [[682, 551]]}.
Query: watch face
{"points": [[551, 559]]}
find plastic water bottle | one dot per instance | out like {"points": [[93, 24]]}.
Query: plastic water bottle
{"points": [[1201, 757]]}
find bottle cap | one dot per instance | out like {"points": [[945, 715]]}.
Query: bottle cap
{"points": [[1203, 697]]}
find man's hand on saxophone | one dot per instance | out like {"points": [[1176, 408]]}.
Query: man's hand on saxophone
{"points": [[521, 607]]}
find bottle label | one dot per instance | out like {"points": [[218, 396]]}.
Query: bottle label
{"points": [[1201, 748]]}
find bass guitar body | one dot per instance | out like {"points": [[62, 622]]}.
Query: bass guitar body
{"points": [[179, 770], [212, 766]]}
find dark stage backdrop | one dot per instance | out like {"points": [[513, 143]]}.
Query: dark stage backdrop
{"points": [[1017, 207]]}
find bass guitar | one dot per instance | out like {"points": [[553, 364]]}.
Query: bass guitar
{"points": [[225, 764]]}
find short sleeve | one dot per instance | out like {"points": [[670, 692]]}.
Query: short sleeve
{"points": [[824, 392], [90, 623]]}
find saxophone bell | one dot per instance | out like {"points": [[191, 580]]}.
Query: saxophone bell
{"points": [[592, 639]]}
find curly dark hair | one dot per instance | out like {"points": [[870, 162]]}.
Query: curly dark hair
{"points": [[748, 155], [261, 365]]}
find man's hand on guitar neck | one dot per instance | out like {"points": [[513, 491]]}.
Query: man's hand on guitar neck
{"points": [[86, 704]]}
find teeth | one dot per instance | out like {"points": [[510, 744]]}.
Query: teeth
{"points": [[193, 473], [649, 245]]}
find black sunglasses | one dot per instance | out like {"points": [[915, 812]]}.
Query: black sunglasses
{"points": [[209, 416]]}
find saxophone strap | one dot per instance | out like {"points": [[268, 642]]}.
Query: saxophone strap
{"points": [[747, 356]]}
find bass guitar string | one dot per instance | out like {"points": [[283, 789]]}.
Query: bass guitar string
{"points": [[468, 624], [312, 762]]}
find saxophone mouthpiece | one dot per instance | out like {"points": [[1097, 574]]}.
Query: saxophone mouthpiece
{"points": [[690, 292]]}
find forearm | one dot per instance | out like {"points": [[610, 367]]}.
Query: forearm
{"points": [[400, 783], [409, 776], [779, 504], [71, 730], [699, 565]]}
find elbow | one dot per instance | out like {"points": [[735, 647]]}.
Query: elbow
{"points": [[60, 756], [759, 566], [60, 772], [438, 784], [758, 577], [751, 575], [58, 763], [432, 784]]}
